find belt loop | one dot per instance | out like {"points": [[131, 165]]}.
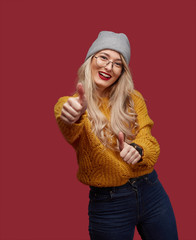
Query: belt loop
{"points": [[113, 189], [132, 181], [146, 178]]}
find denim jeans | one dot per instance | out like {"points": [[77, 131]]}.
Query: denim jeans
{"points": [[142, 202]]}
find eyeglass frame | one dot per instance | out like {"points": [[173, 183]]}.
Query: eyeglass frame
{"points": [[109, 61]]}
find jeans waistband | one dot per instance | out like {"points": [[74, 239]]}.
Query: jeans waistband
{"points": [[130, 181]]}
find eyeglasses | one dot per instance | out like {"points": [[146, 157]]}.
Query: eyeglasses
{"points": [[103, 61]]}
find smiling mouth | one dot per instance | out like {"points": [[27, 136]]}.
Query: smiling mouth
{"points": [[104, 76]]}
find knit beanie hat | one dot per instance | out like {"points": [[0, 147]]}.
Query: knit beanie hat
{"points": [[110, 40]]}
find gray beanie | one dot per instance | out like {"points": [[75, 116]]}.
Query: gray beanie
{"points": [[110, 40]]}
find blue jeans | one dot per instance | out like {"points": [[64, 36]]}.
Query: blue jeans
{"points": [[142, 202]]}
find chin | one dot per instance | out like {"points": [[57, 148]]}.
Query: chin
{"points": [[100, 85]]}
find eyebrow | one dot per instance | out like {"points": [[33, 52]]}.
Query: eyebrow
{"points": [[117, 59]]}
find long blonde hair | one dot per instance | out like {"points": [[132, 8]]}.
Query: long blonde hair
{"points": [[122, 114]]}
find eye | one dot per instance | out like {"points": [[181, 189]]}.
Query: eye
{"points": [[103, 58], [118, 64]]}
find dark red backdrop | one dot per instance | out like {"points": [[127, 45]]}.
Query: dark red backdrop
{"points": [[43, 44]]}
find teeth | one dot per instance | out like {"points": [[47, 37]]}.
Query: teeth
{"points": [[105, 75]]}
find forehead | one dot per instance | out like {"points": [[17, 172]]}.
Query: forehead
{"points": [[110, 53]]}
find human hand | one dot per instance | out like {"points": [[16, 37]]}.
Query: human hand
{"points": [[127, 152], [74, 107]]}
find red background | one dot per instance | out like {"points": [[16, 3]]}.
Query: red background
{"points": [[43, 44]]}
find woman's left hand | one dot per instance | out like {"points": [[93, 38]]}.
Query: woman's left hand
{"points": [[127, 152]]}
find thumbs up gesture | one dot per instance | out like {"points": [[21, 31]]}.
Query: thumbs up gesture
{"points": [[75, 106], [127, 152]]}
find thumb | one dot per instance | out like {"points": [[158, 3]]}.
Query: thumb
{"points": [[121, 139], [80, 90]]}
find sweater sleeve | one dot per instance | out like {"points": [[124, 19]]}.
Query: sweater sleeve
{"points": [[71, 132], [144, 138]]}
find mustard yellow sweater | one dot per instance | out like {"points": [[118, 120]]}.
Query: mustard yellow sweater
{"points": [[102, 167]]}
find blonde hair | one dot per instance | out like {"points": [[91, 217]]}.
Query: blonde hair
{"points": [[122, 114]]}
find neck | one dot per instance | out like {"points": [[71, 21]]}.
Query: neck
{"points": [[102, 93]]}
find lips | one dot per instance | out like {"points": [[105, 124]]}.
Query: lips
{"points": [[104, 76]]}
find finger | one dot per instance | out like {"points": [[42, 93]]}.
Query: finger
{"points": [[127, 152], [73, 102], [124, 152], [70, 109], [121, 139], [81, 93], [136, 160], [134, 157], [128, 156], [68, 116], [65, 119]]}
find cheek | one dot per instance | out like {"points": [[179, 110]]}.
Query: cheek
{"points": [[93, 70], [93, 73]]}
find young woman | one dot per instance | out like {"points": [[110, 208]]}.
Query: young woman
{"points": [[108, 125]]}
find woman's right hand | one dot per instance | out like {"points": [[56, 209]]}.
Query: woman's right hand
{"points": [[74, 107]]}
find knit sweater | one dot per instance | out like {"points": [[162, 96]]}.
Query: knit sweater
{"points": [[103, 167]]}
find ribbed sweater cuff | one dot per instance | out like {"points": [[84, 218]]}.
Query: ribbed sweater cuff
{"points": [[150, 153], [71, 131]]}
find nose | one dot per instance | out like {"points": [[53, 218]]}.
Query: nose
{"points": [[109, 66]]}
